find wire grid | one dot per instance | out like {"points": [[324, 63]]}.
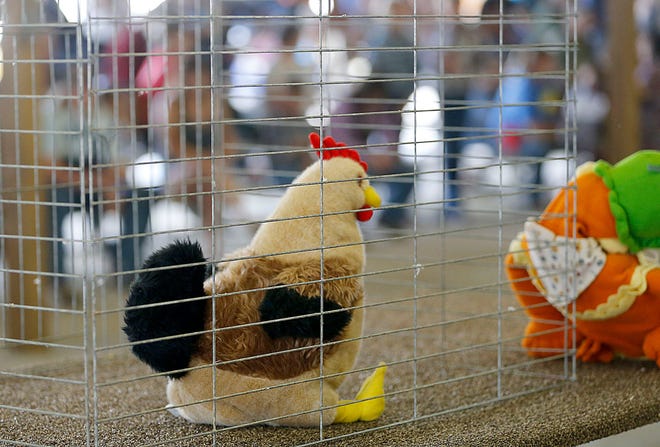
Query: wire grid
{"points": [[124, 130]]}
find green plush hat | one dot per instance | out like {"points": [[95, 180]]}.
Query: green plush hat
{"points": [[634, 197]]}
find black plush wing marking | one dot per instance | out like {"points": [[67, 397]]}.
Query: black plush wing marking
{"points": [[284, 302]]}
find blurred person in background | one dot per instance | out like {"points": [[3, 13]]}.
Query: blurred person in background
{"points": [[528, 116], [289, 93], [393, 59], [371, 117], [592, 106], [199, 170], [69, 142]]}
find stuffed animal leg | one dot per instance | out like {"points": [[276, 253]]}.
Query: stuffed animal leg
{"points": [[369, 402]]}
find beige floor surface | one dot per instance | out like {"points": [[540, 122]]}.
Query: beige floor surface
{"points": [[455, 368]]}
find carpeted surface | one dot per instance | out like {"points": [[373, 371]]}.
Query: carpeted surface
{"points": [[606, 399], [455, 369]]}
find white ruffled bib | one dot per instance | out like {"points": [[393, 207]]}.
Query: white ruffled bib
{"points": [[564, 266]]}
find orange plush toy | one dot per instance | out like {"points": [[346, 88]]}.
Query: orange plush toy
{"points": [[606, 281]]}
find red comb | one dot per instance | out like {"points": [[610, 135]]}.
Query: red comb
{"points": [[334, 149]]}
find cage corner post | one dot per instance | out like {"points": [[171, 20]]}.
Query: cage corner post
{"points": [[23, 220]]}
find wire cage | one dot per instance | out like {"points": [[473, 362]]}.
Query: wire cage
{"points": [[127, 125]]}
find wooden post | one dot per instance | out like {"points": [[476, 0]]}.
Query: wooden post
{"points": [[24, 222], [623, 127]]}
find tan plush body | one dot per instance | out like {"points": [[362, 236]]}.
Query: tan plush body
{"points": [[277, 362], [259, 377]]}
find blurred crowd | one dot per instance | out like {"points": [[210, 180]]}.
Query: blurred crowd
{"points": [[184, 106]]}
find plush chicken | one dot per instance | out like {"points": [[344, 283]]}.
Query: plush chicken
{"points": [[606, 281], [286, 311]]}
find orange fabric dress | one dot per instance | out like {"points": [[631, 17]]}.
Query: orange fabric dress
{"points": [[616, 309]]}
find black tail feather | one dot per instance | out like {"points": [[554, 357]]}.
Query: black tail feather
{"points": [[182, 278]]}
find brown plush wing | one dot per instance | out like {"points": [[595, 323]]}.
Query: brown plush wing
{"points": [[242, 344]]}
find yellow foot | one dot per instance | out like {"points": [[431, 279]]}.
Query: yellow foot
{"points": [[369, 402]]}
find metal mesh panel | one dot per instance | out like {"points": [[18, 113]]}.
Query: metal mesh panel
{"points": [[126, 126]]}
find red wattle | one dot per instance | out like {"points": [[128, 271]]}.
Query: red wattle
{"points": [[365, 213]]}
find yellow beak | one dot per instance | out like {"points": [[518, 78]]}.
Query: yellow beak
{"points": [[371, 197]]}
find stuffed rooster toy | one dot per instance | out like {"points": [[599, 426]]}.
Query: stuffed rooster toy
{"points": [[286, 309], [607, 280]]}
